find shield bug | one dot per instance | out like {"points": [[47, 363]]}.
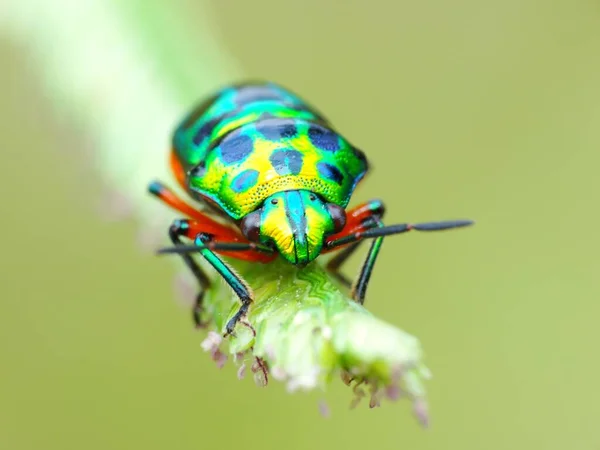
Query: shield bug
{"points": [[276, 179]]}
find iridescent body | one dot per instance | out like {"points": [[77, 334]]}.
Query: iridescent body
{"points": [[253, 143], [281, 176]]}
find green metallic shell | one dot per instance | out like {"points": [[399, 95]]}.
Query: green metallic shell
{"points": [[251, 141]]}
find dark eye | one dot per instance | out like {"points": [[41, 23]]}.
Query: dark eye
{"points": [[338, 215], [312, 197], [250, 226]]}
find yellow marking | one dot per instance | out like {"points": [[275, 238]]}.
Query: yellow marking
{"points": [[236, 123], [275, 224], [318, 225]]}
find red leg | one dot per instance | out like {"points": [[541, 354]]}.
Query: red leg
{"points": [[202, 223], [194, 228], [200, 226], [365, 222], [357, 219]]}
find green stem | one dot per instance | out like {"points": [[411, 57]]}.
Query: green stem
{"points": [[99, 64], [308, 331]]}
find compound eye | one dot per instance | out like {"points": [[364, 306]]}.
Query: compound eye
{"points": [[250, 226], [338, 215]]}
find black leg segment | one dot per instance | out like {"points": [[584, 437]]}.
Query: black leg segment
{"points": [[178, 229], [359, 286]]}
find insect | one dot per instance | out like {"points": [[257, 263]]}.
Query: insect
{"points": [[275, 179]]}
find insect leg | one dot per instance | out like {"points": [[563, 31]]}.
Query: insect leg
{"points": [[178, 229], [167, 196], [202, 244], [361, 218], [377, 230], [355, 236], [237, 283], [359, 287], [205, 224], [183, 228], [334, 264]]}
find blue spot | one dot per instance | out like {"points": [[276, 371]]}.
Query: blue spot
{"points": [[277, 129], [324, 139], [286, 162], [205, 131], [235, 149], [330, 172], [244, 180]]}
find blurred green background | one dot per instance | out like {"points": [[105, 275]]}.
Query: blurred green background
{"points": [[487, 110]]}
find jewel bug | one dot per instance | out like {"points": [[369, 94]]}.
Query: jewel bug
{"points": [[275, 179]]}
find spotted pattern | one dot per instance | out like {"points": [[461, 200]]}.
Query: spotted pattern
{"points": [[205, 131], [330, 172], [244, 180], [277, 129], [235, 149], [324, 139], [286, 162], [258, 139]]}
